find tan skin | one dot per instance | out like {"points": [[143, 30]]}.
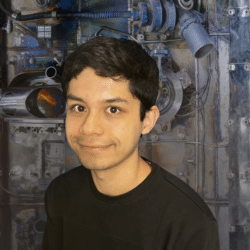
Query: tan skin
{"points": [[105, 134]]}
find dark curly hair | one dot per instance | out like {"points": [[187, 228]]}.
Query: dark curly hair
{"points": [[112, 57]]}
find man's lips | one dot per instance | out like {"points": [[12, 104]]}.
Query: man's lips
{"points": [[96, 146], [96, 149]]}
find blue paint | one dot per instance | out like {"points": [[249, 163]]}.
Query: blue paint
{"points": [[97, 15], [30, 42], [136, 14], [39, 63], [65, 32], [70, 5], [157, 16], [193, 32], [39, 52]]}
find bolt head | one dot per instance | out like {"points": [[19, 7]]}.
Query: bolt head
{"points": [[231, 12]]}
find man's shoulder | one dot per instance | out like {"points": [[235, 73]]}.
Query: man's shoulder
{"points": [[181, 193], [72, 178]]}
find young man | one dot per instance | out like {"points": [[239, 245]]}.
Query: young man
{"points": [[118, 200]]}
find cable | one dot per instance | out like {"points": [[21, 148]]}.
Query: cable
{"points": [[202, 91], [203, 148], [201, 108], [199, 90], [115, 31], [200, 98], [189, 113], [204, 134]]}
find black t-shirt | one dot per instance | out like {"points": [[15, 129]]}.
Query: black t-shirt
{"points": [[161, 213]]}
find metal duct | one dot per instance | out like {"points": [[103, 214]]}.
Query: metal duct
{"points": [[195, 35]]}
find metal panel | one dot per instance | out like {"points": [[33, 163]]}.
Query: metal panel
{"points": [[239, 125]]}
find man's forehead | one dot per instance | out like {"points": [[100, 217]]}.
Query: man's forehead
{"points": [[103, 101], [102, 89]]}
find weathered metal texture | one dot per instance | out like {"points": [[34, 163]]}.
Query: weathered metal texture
{"points": [[172, 150], [155, 6], [25, 42], [195, 35], [182, 57], [239, 205], [171, 96], [36, 152], [89, 27], [35, 157], [27, 221], [217, 138], [223, 138], [32, 102], [3, 53], [222, 219]]}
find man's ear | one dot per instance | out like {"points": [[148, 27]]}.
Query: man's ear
{"points": [[150, 119]]}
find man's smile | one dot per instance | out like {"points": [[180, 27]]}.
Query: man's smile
{"points": [[95, 149]]}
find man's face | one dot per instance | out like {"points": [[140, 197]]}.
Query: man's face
{"points": [[96, 118]]}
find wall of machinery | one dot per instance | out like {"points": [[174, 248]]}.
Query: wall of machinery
{"points": [[202, 135]]}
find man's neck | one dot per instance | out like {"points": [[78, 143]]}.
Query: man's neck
{"points": [[122, 179]]}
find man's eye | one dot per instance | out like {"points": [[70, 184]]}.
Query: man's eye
{"points": [[114, 110], [77, 108]]}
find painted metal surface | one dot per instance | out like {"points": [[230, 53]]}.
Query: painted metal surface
{"points": [[239, 125], [195, 35]]}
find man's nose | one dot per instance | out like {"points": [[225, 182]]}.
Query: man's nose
{"points": [[92, 123]]}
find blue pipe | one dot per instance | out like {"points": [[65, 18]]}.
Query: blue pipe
{"points": [[193, 32], [100, 15], [53, 14]]}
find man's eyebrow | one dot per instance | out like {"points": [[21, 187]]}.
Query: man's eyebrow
{"points": [[117, 99]]}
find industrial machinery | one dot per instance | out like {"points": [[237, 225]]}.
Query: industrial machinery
{"points": [[202, 135]]}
